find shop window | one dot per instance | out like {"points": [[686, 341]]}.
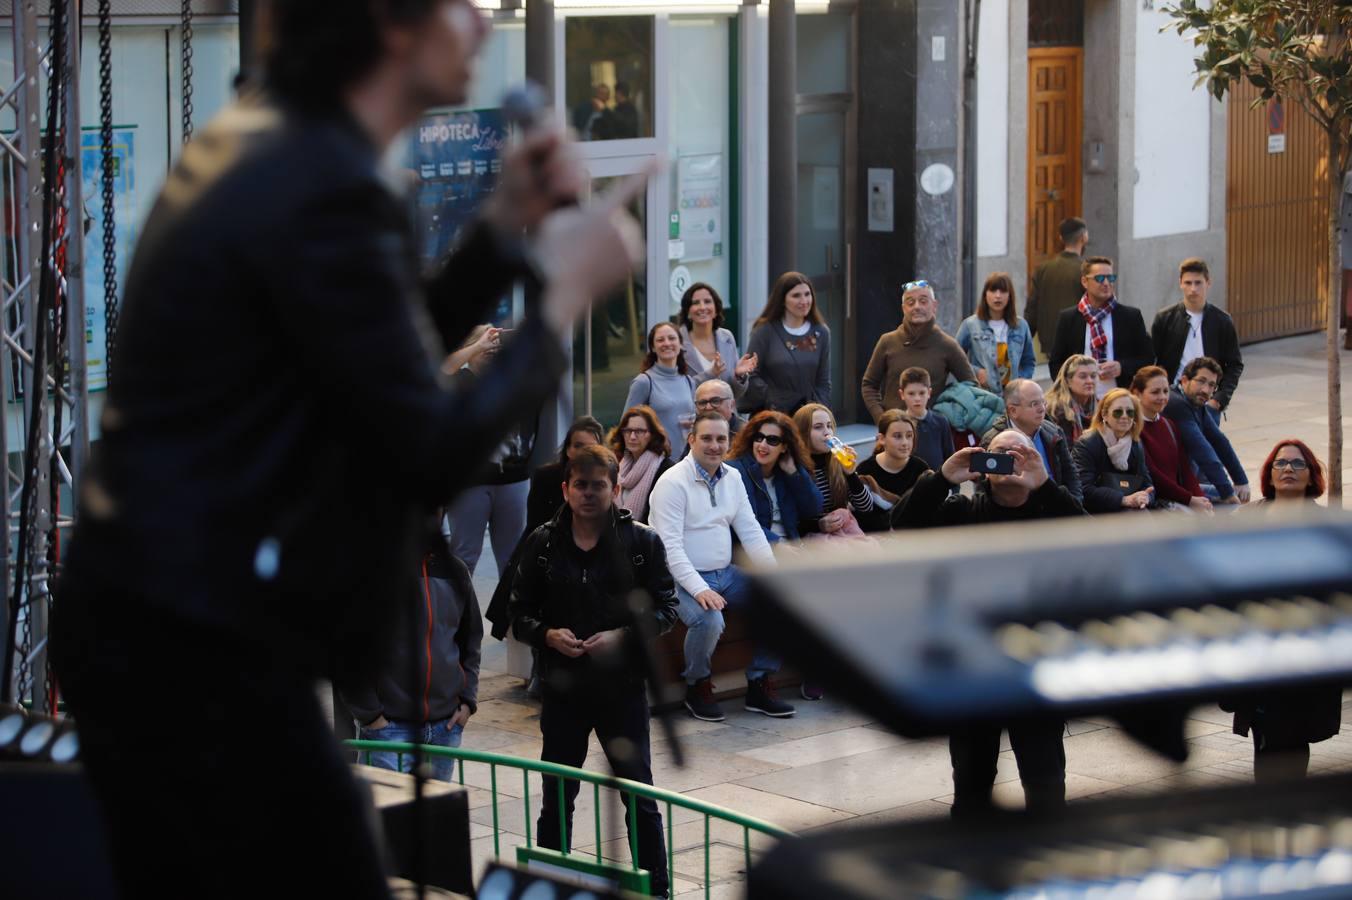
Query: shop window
{"points": [[609, 74]]}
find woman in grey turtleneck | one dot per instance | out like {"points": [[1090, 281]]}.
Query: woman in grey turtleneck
{"points": [[665, 384]]}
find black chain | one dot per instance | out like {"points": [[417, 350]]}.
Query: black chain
{"points": [[187, 70], [110, 305]]}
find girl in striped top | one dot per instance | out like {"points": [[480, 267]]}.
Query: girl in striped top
{"points": [[848, 507]]}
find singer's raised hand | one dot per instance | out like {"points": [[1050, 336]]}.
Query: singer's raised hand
{"points": [[540, 173]]}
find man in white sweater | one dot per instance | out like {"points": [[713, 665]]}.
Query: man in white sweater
{"points": [[692, 507]]}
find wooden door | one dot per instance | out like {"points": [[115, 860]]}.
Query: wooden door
{"points": [[1054, 104], [1276, 221]]}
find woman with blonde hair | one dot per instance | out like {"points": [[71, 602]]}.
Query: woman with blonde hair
{"points": [[1070, 399], [640, 444], [848, 509], [1110, 459]]}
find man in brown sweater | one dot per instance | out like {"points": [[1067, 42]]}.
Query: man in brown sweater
{"points": [[1056, 283], [919, 341]]}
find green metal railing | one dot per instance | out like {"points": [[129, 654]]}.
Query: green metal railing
{"points": [[632, 789]]}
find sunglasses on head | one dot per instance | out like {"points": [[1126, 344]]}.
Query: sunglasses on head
{"points": [[1102, 279], [774, 440], [912, 285], [1120, 413]]}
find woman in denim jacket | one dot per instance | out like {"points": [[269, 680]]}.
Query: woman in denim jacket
{"points": [[995, 339]]}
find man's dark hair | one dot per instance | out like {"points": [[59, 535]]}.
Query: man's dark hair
{"points": [[588, 459], [315, 49], [1198, 364], [1196, 265], [622, 87], [1088, 265], [1071, 229]]}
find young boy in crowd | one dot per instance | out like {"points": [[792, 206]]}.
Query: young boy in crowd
{"points": [[933, 434]]}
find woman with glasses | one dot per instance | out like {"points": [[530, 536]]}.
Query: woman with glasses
{"points": [[641, 446], [711, 349], [1286, 723], [792, 344], [1110, 460], [777, 474], [893, 469], [995, 339], [1171, 472], [665, 384], [1071, 398]]}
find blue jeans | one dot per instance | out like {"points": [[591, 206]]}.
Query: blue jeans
{"points": [[438, 734], [705, 626]]}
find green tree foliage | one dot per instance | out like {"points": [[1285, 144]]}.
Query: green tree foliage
{"points": [[1297, 50]]}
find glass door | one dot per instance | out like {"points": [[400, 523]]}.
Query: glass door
{"points": [[822, 245], [609, 345]]}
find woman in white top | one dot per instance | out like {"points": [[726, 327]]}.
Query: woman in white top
{"points": [[709, 347], [995, 339]]}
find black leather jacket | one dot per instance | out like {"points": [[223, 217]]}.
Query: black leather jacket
{"points": [[276, 426], [557, 586]]}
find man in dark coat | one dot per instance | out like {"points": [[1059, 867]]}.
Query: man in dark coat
{"points": [[274, 434], [1103, 327], [1055, 284], [1026, 410], [1192, 328], [571, 600]]}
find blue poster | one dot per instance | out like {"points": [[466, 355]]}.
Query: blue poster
{"points": [[455, 156], [124, 213]]}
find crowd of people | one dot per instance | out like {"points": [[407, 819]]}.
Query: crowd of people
{"points": [[718, 450]]}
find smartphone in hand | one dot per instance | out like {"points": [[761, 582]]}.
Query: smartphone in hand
{"points": [[991, 463]]}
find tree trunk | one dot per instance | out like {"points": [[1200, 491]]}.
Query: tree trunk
{"points": [[1335, 458]]}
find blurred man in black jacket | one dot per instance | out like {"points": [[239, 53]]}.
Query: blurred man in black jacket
{"points": [[274, 433], [571, 600]]}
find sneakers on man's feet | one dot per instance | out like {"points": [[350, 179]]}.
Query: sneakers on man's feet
{"points": [[762, 698], [699, 699], [811, 691]]}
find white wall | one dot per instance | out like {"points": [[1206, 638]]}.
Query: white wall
{"points": [[992, 131], [1172, 134], [755, 152]]}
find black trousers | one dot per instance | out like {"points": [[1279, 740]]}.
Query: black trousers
{"points": [[215, 769], [1041, 756], [1279, 757], [620, 719]]}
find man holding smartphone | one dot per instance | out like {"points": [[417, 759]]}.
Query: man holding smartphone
{"points": [[1014, 488]]}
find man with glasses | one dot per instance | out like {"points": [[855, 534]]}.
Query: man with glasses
{"points": [[918, 341], [1102, 327], [1026, 411], [1210, 450], [716, 395]]}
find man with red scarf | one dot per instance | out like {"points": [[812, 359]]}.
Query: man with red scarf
{"points": [[1100, 326]]}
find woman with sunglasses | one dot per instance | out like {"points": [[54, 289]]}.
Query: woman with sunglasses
{"points": [[777, 474], [792, 346], [1071, 399], [665, 384], [1286, 723], [641, 446], [1110, 460], [1171, 472]]}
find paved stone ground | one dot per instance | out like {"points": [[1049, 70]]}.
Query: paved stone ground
{"points": [[831, 767]]}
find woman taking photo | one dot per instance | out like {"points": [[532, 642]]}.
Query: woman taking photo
{"points": [[892, 468], [665, 384], [995, 339], [642, 448], [1070, 400], [1285, 723], [777, 475], [1170, 467], [848, 509], [1110, 460], [710, 349], [792, 346]]}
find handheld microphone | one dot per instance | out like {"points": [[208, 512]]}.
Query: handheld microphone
{"points": [[526, 106]]}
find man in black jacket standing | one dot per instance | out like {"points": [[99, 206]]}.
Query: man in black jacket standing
{"points": [[572, 600], [1103, 327], [1192, 328], [274, 435], [1028, 494]]}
